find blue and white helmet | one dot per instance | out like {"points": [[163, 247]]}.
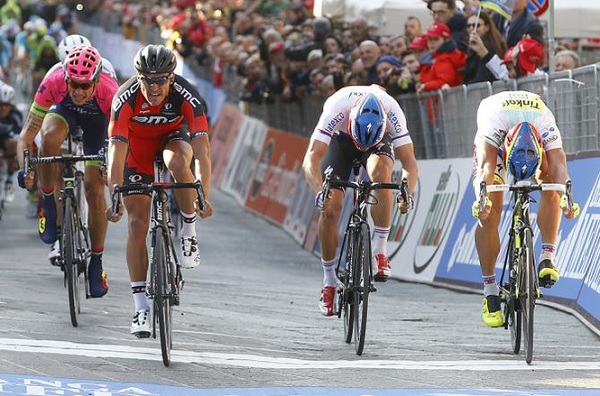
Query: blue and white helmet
{"points": [[522, 150], [367, 122]]}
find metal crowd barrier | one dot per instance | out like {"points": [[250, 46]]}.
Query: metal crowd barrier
{"points": [[443, 124]]}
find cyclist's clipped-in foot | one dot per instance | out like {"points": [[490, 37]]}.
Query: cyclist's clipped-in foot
{"points": [[384, 270], [190, 254], [492, 312], [54, 254], [140, 326], [47, 220], [326, 300], [547, 273], [97, 277]]}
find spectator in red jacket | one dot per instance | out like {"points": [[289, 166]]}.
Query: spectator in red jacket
{"points": [[447, 60]]}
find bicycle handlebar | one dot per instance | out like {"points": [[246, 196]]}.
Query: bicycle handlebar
{"points": [[526, 186], [156, 187], [66, 158], [331, 182]]}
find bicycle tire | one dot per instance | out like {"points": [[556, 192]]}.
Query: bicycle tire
{"points": [[361, 286], [162, 303], [528, 300], [346, 293], [512, 310], [70, 254]]}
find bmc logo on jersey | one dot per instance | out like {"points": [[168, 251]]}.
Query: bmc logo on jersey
{"points": [[187, 95], [154, 119], [122, 98]]}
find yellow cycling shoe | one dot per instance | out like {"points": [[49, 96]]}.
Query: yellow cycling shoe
{"points": [[492, 314], [547, 273]]}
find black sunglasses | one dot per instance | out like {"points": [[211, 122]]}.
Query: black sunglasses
{"points": [[154, 80], [75, 85]]}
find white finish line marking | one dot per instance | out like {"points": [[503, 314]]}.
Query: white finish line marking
{"points": [[266, 362]]}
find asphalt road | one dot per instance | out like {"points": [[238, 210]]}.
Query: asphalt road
{"points": [[249, 319]]}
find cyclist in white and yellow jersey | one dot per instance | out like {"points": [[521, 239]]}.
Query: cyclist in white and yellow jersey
{"points": [[516, 127]]}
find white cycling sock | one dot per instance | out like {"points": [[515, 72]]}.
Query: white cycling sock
{"points": [[138, 289], [490, 287], [548, 252], [329, 278], [189, 224], [380, 237]]}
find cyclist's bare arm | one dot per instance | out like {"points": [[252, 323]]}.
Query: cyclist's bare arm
{"points": [[556, 160], [487, 159], [31, 127], [312, 164], [406, 155], [117, 152], [202, 168]]}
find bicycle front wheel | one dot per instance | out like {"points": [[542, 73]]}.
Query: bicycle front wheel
{"points": [[530, 294], [162, 301], [361, 278], [71, 257], [344, 292]]}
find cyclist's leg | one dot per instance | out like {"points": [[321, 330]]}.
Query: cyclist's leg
{"points": [[138, 220], [54, 130], [337, 160], [487, 243], [379, 168], [549, 219], [94, 127], [177, 156]]}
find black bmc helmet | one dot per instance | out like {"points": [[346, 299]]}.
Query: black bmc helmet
{"points": [[155, 59]]}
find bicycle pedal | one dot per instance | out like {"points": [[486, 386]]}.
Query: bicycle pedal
{"points": [[143, 334], [373, 289]]}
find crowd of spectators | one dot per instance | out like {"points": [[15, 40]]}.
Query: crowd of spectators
{"points": [[278, 48]]}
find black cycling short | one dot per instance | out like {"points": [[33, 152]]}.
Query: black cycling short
{"points": [[342, 152]]}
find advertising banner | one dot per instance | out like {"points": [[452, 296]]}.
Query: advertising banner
{"points": [[222, 139], [244, 158], [417, 240], [275, 177], [300, 210]]}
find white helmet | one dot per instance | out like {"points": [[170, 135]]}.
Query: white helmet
{"points": [[7, 93], [68, 43]]}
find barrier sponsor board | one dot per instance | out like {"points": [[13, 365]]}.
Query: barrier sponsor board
{"points": [[244, 158], [300, 210], [275, 176], [417, 240], [222, 139]]}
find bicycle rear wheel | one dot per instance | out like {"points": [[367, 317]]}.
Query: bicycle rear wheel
{"points": [[71, 250], [162, 302], [529, 296], [361, 285]]}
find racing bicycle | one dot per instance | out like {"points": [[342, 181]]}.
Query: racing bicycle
{"points": [[519, 283], [165, 280], [74, 239], [354, 268]]}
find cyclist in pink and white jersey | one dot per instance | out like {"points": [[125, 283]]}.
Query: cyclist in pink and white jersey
{"points": [[78, 95]]}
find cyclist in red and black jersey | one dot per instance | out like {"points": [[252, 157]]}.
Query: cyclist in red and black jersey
{"points": [[157, 112]]}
